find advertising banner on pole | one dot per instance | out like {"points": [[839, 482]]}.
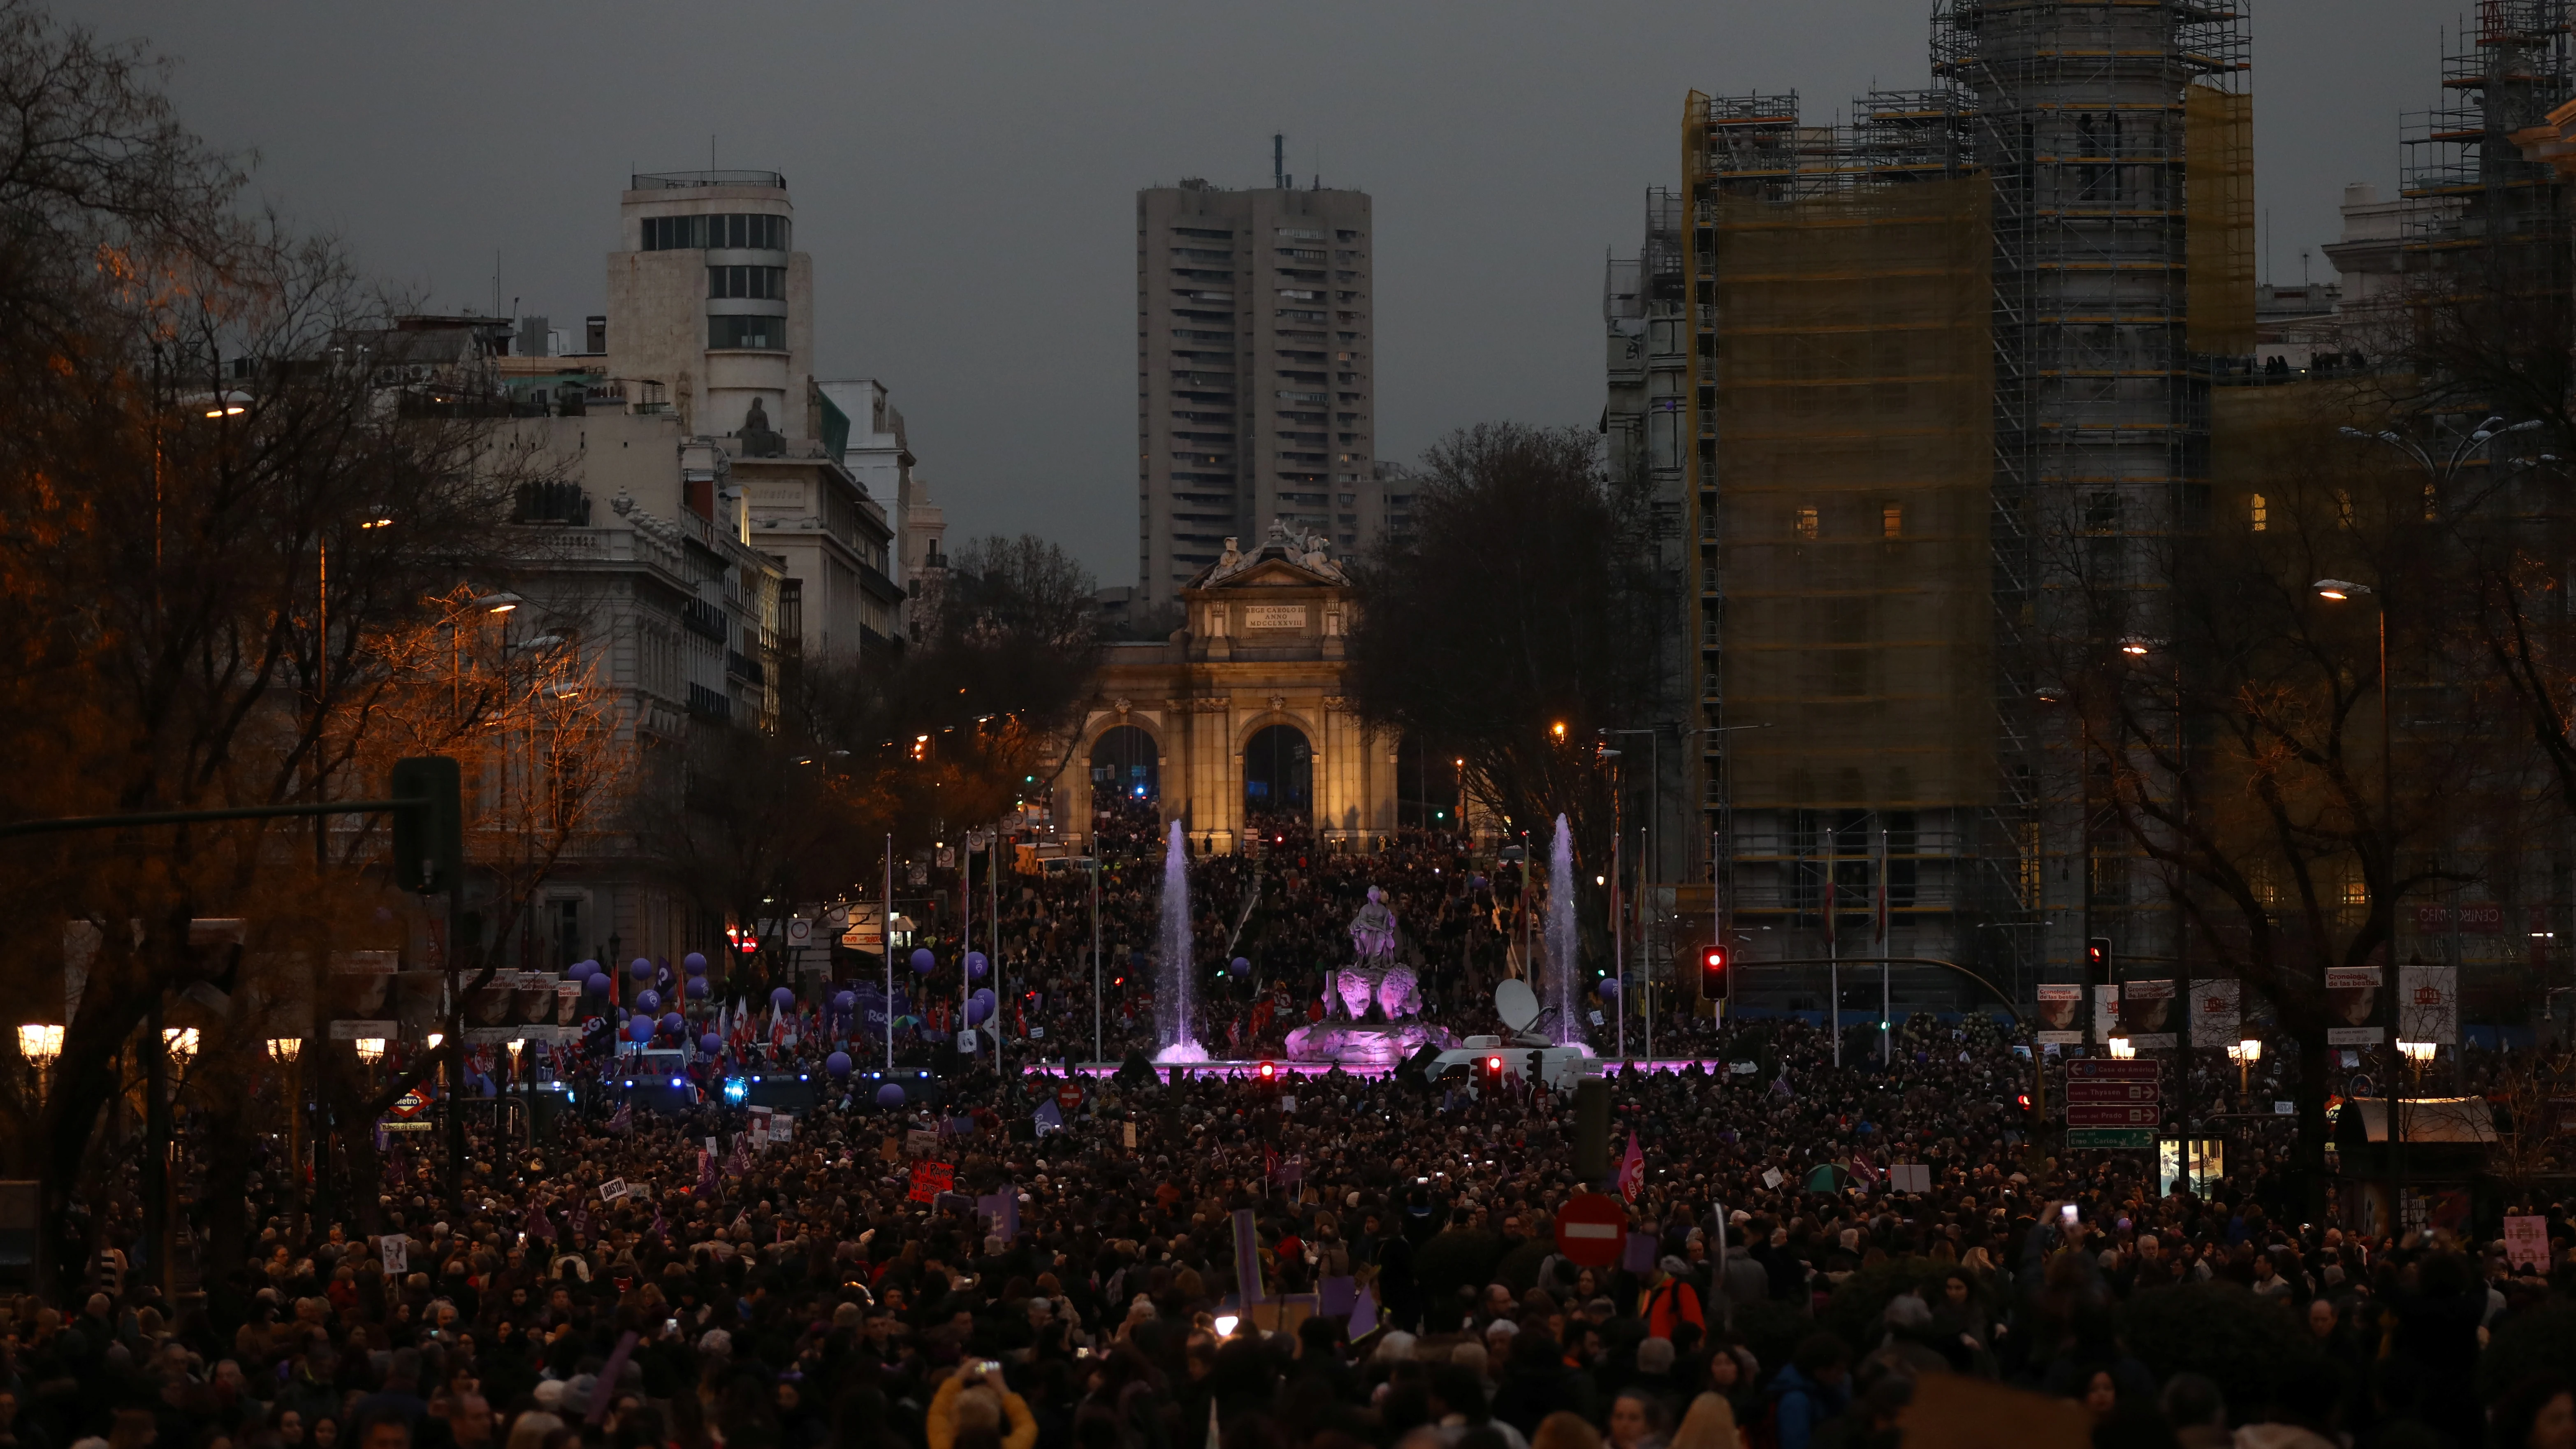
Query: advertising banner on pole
{"points": [[2147, 1013], [2217, 1013], [2352, 1006], [2428, 1003]]}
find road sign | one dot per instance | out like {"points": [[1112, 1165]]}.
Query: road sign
{"points": [[2110, 1067], [1068, 1098], [1591, 1229], [2112, 1139], [2114, 1090], [2111, 1114]]}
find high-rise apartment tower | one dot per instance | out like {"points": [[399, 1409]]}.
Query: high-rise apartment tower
{"points": [[1255, 348]]}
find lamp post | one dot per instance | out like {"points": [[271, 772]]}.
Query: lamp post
{"points": [[286, 1051], [2247, 1053], [2342, 591]]}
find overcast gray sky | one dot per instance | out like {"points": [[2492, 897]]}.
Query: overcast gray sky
{"points": [[964, 172]]}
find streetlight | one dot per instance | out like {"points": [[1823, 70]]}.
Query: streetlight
{"points": [[286, 1051], [2247, 1053], [371, 1049], [2340, 591], [2416, 1052], [500, 603], [180, 1042], [2439, 472], [2121, 1050], [40, 1044]]}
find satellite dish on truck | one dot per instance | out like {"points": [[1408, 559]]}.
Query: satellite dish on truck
{"points": [[1518, 1006]]}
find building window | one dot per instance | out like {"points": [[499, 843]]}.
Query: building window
{"points": [[765, 283], [744, 230], [1891, 521], [2259, 511], [766, 334], [1804, 524]]}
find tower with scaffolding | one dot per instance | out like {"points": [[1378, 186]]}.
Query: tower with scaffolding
{"points": [[1948, 393]]}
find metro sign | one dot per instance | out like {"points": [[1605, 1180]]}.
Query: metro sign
{"points": [[411, 1104]]}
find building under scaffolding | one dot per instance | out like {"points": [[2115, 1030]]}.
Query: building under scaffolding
{"points": [[1947, 393]]}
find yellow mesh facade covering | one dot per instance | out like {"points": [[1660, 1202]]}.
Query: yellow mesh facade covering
{"points": [[1854, 391], [2218, 212]]}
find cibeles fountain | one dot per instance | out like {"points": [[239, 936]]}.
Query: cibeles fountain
{"points": [[1379, 998]]}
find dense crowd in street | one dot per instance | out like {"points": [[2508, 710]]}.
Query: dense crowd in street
{"points": [[1281, 906], [1208, 1261], [944, 1274]]}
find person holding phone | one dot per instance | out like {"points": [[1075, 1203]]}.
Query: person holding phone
{"points": [[971, 1406]]}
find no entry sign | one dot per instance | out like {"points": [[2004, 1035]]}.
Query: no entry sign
{"points": [[1591, 1229]]}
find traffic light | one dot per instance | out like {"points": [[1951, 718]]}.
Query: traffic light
{"points": [[1491, 1070], [429, 837], [2097, 960], [1712, 973], [1269, 1073], [2022, 1101]]}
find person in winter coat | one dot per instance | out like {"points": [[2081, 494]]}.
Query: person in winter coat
{"points": [[1670, 1300], [1812, 1389]]}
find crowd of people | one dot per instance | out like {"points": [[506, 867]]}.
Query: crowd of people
{"points": [[1326, 1262], [1280, 906], [1821, 1247]]}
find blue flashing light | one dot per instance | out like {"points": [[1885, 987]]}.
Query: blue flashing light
{"points": [[675, 1081], [736, 1090]]}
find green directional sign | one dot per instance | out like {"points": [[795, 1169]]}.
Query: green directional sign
{"points": [[2112, 1139]]}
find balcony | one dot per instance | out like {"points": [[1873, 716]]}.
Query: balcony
{"points": [[744, 667], [709, 705], [704, 620]]}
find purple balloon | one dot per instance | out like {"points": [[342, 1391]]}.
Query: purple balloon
{"points": [[1608, 986], [977, 1008], [922, 961], [694, 963], [597, 985], [640, 969], [696, 990], [845, 1001], [838, 1064], [983, 994], [641, 1028], [890, 1095], [580, 970], [711, 1044], [648, 999], [671, 1023], [782, 998], [1241, 966], [975, 965]]}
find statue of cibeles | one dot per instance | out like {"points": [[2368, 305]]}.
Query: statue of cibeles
{"points": [[1375, 978]]}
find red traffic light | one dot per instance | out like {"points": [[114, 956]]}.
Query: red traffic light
{"points": [[1269, 1070], [2022, 1100], [1712, 973]]}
